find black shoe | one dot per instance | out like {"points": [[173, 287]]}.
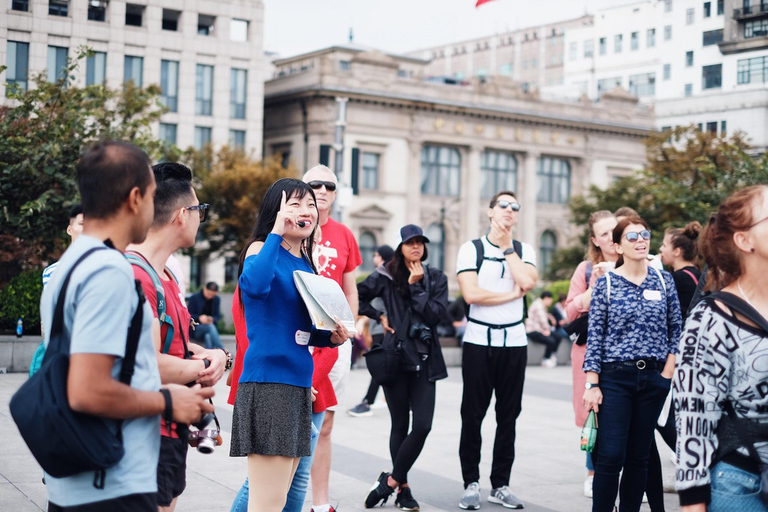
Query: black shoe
{"points": [[405, 501], [380, 491]]}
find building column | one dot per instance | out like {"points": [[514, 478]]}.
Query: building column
{"points": [[470, 199], [526, 225], [413, 187]]}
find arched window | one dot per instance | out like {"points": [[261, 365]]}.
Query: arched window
{"points": [[498, 172], [440, 171], [367, 245], [554, 179], [547, 247], [436, 246]]}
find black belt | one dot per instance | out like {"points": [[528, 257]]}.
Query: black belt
{"points": [[640, 364], [495, 326]]}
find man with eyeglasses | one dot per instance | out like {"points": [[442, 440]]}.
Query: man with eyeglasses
{"points": [[494, 273], [178, 215], [336, 256]]}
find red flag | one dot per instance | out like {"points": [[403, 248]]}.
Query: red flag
{"points": [[481, 2]]}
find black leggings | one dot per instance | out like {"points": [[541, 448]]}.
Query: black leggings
{"points": [[411, 392], [551, 342]]}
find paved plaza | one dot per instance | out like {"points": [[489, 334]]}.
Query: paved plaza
{"points": [[547, 475]]}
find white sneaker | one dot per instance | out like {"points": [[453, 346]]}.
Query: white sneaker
{"points": [[550, 362], [588, 486]]}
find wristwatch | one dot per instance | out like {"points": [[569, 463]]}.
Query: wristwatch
{"points": [[590, 385], [509, 251], [228, 364]]}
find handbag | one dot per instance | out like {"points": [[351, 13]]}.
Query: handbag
{"points": [[577, 329], [383, 359], [65, 442]]}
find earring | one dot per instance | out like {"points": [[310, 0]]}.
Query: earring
{"points": [[752, 250]]}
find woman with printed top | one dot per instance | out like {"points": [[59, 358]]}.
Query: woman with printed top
{"points": [[634, 327], [681, 252], [271, 421], [601, 256], [721, 375]]}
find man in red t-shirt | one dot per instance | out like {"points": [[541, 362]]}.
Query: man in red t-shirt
{"points": [[178, 214], [336, 256]]}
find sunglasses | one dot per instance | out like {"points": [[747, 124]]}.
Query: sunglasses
{"points": [[317, 184], [202, 210], [634, 236], [508, 204], [756, 223]]}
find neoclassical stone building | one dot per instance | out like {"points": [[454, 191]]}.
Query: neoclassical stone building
{"points": [[433, 153]]}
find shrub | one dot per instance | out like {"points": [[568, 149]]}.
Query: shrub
{"points": [[559, 288], [21, 299]]}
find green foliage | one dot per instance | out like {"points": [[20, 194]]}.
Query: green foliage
{"points": [[21, 299], [559, 288], [43, 132]]}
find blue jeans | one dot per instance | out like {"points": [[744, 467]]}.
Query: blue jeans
{"points": [[295, 500], [734, 489], [632, 401], [209, 334]]}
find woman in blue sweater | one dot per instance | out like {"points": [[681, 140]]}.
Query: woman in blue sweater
{"points": [[271, 421], [634, 327]]}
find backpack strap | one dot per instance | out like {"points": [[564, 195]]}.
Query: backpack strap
{"points": [[588, 273], [518, 247], [661, 278], [693, 276], [137, 260]]}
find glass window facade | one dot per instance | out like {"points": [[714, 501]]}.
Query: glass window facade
{"points": [[643, 85], [498, 171], [169, 83], [712, 76], [238, 30], [18, 65], [436, 257], [237, 93], [167, 133], [202, 136], [547, 248], [440, 171], [554, 179], [752, 71], [650, 38], [369, 167], [237, 139], [204, 90], [367, 246], [133, 69], [57, 63], [96, 68]]}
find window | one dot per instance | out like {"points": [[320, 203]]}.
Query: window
{"points": [[367, 245], [506, 70], [665, 128], [643, 85], [589, 48], [205, 24], [97, 10], [134, 15], [96, 68], [634, 41], [617, 40], [238, 30], [547, 248], [667, 72], [707, 9], [344, 65], [723, 126], [752, 71], [650, 38], [689, 59], [171, 20], [712, 77], [202, 136], [667, 5], [534, 63], [758, 28], [20, 5], [668, 33], [436, 251], [573, 50], [369, 177], [712, 127], [498, 171], [18, 65], [237, 139], [169, 83], [720, 7], [690, 15], [699, 127], [167, 133], [554, 178], [688, 89], [237, 93], [712, 37], [58, 7], [481, 72], [57, 63], [440, 171], [204, 90], [525, 64], [607, 84], [133, 70]]}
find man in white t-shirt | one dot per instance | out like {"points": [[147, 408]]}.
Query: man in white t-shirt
{"points": [[494, 274]]}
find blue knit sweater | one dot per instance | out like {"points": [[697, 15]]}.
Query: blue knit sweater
{"points": [[276, 317]]}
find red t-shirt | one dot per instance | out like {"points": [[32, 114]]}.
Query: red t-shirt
{"points": [[337, 253], [176, 308]]}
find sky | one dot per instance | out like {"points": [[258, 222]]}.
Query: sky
{"points": [[292, 27]]}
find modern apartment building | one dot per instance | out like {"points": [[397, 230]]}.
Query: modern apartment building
{"points": [[207, 56]]}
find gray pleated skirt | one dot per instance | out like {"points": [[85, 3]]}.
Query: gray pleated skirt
{"points": [[271, 419]]}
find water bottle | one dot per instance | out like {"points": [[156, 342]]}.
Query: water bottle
{"points": [[589, 432], [19, 328]]}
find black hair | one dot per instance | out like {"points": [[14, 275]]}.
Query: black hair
{"points": [[106, 174], [174, 188], [497, 195], [399, 270], [212, 286], [75, 211], [545, 294]]}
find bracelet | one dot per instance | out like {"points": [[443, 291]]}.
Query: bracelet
{"points": [[228, 364], [168, 413]]}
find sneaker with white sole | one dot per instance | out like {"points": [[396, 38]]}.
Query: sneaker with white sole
{"points": [[471, 498], [405, 501], [588, 485], [360, 410], [504, 497], [380, 491], [550, 362]]}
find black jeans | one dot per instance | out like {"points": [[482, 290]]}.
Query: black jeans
{"points": [[131, 503], [411, 392], [551, 342], [485, 371], [373, 388], [655, 486]]}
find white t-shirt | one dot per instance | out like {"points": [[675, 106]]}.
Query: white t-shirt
{"points": [[494, 276]]}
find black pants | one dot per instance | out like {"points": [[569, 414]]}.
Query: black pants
{"points": [[131, 503], [654, 488], [551, 342], [485, 371], [411, 392], [373, 388]]}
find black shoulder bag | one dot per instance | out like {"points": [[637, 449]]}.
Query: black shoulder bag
{"points": [[383, 359], [63, 441], [577, 329]]}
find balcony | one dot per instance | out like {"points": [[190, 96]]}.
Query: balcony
{"points": [[751, 12]]}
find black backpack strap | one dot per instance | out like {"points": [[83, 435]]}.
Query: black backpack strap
{"points": [[134, 333], [479, 252], [518, 247]]}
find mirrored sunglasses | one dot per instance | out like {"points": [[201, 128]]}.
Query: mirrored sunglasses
{"points": [[634, 236], [508, 204], [316, 184], [202, 210]]}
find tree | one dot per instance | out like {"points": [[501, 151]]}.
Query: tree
{"points": [[688, 174], [43, 132]]}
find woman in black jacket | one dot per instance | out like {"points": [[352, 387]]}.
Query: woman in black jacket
{"points": [[416, 300]]}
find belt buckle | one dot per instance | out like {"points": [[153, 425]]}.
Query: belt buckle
{"points": [[641, 364]]}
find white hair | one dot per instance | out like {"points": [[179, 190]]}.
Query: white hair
{"points": [[320, 167]]}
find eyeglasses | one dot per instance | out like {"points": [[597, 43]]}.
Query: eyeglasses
{"points": [[756, 223], [202, 210], [634, 236], [316, 184], [508, 204]]}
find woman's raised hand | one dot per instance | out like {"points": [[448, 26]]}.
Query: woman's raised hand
{"points": [[417, 272], [284, 220]]}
